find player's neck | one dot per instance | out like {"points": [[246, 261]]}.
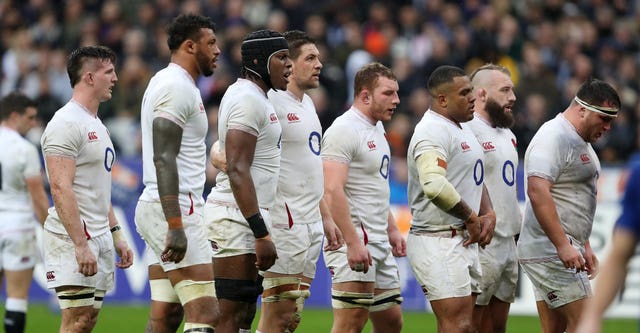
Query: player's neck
{"points": [[88, 103], [295, 90]]}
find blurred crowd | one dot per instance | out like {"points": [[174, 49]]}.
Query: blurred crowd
{"points": [[550, 46]]}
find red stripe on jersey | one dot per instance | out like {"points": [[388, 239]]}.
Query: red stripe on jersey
{"points": [[191, 208], [86, 233], [289, 215], [364, 233]]}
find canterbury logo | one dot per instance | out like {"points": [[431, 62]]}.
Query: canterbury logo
{"points": [[273, 118], [291, 117], [51, 276], [488, 146], [371, 144], [465, 146], [551, 296], [202, 110], [92, 136], [585, 158]]}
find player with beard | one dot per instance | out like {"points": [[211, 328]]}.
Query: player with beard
{"points": [[493, 118], [169, 214]]}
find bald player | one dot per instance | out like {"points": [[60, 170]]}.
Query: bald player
{"points": [[493, 116]]}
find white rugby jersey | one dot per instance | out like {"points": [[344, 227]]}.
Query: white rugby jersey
{"points": [[500, 165], [245, 107], [301, 183], [75, 133], [354, 140], [18, 160], [172, 94], [558, 154], [465, 169]]}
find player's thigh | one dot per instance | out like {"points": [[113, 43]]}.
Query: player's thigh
{"points": [[18, 283], [18, 249], [292, 245]]}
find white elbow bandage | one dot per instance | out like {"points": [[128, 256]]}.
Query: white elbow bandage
{"points": [[432, 171], [117, 236]]}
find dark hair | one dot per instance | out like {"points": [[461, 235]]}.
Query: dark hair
{"points": [[15, 102], [442, 75], [367, 76], [296, 39], [79, 56], [597, 92], [187, 26]]}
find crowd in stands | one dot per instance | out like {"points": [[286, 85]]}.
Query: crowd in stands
{"points": [[550, 46]]}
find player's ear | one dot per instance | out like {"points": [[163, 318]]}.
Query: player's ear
{"points": [[190, 46]]}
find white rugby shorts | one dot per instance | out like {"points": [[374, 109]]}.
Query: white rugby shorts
{"points": [[152, 227], [443, 267], [298, 248], [61, 266]]}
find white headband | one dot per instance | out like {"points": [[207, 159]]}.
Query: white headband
{"points": [[607, 111]]}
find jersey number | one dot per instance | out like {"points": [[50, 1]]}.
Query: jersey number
{"points": [[384, 167], [314, 143], [508, 173], [109, 158], [478, 172]]}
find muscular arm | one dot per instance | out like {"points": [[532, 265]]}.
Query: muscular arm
{"points": [[544, 208], [62, 172], [335, 178], [167, 137], [487, 218], [38, 197], [239, 149]]}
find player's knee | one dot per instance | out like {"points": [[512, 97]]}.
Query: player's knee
{"points": [[244, 291], [297, 315], [350, 300]]}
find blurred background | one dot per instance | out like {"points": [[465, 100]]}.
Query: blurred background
{"points": [[550, 47]]}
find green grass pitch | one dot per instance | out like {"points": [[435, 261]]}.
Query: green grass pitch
{"points": [[132, 318]]}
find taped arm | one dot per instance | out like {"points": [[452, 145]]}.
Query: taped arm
{"points": [[432, 171]]}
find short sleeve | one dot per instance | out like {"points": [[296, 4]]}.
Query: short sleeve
{"points": [[174, 103], [544, 158], [339, 143], [247, 115], [62, 138], [32, 162]]}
